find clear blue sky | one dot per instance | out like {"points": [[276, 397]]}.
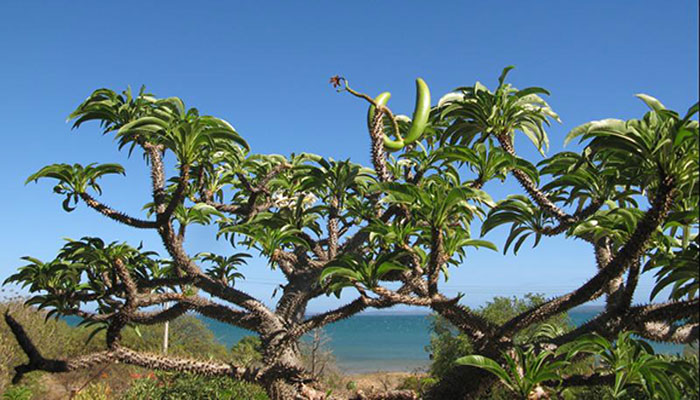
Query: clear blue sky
{"points": [[265, 66]]}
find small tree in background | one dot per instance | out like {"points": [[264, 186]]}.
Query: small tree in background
{"points": [[318, 356]]}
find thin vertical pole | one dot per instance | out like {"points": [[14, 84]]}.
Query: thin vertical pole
{"points": [[166, 331]]}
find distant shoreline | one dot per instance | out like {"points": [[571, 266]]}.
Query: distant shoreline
{"points": [[422, 312]]}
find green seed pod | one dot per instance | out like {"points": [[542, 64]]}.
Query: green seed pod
{"points": [[381, 100], [389, 144], [421, 112]]}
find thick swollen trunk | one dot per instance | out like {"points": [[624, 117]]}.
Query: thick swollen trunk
{"points": [[283, 381], [300, 289], [286, 373]]}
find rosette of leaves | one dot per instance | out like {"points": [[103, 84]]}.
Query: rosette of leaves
{"points": [[351, 270], [74, 180], [522, 372], [83, 272], [677, 269], [113, 110], [580, 180], [224, 267], [487, 162], [166, 122], [524, 217], [645, 151], [265, 234], [476, 110], [336, 183], [438, 201], [439, 207]]}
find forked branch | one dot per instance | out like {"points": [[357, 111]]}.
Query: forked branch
{"points": [[119, 354]]}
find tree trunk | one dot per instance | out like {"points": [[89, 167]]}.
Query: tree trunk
{"points": [[280, 390], [282, 381]]}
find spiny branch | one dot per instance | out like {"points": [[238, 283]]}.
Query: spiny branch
{"points": [[340, 313], [178, 195], [157, 175], [538, 196], [630, 252], [116, 215], [475, 326], [654, 321], [580, 215], [378, 154], [119, 354]]}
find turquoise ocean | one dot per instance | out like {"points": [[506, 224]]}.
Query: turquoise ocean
{"points": [[386, 342]]}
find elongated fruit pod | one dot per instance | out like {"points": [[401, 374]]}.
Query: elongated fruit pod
{"points": [[421, 112], [389, 144]]}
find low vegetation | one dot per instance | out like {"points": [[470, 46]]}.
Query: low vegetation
{"points": [[188, 337]]}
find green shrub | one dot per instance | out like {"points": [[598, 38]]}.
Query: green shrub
{"points": [[170, 386], [418, 384], [247, 351], [17, 393], [53, 337], [94, 391], [446, 346], [188, 337]]}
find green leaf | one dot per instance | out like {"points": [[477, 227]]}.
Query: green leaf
{"points": [[651, 102], [504, 73], [487, 364], [338, 271], [531, 90], [480, 243]]}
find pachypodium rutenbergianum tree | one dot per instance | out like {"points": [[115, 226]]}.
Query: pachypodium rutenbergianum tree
{"points": [[333, 225]]}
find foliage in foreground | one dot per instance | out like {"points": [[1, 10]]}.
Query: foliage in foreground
{"points": [[624, 367], [525, 371]]}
